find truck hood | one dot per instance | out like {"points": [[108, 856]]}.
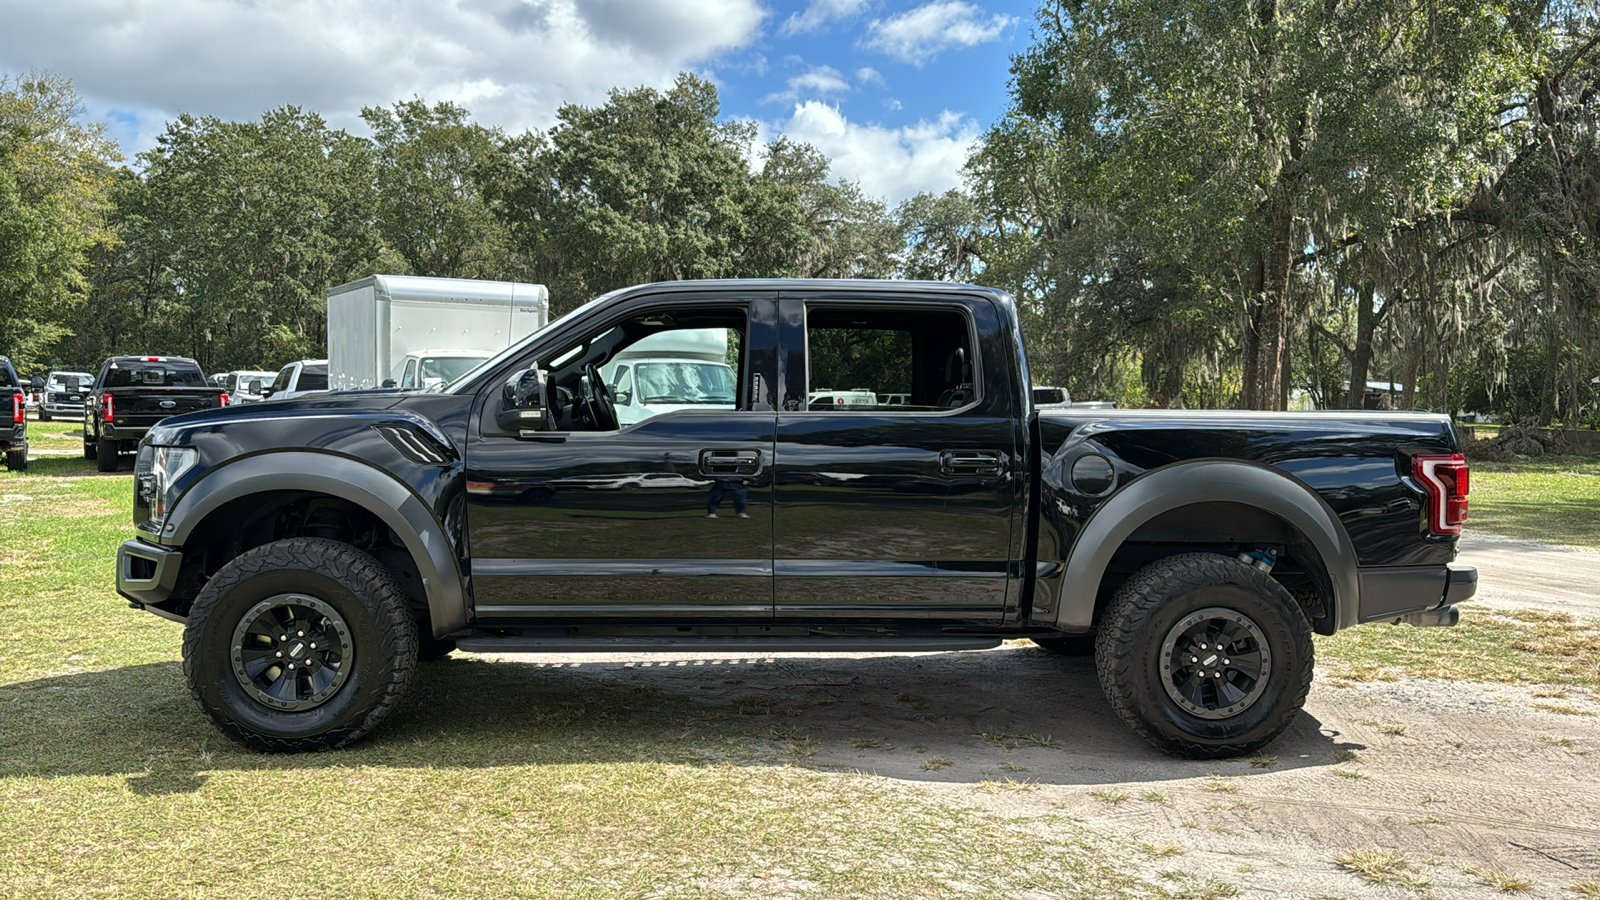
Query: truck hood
{"points": [[171, 430]]}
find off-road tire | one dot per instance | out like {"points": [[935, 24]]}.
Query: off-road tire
{"points": [[90, 448], [1067, 644], [43, 416], [105, 457], [364, 593], [17, 460], [1151, 604]]}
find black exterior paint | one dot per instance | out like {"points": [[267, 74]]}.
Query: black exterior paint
{"points": [[851, 519]]}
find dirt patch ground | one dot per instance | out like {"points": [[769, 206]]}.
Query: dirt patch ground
{"points": [[1466, 782]]}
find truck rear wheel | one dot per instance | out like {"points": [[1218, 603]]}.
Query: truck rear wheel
{"points": [[105, 456], [17, 460], [301, 644], [1204, 656]]}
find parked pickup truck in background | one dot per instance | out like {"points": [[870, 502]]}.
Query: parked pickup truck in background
{"points": [[315, 557], [131, 394], [63, 395], [14, 436]]}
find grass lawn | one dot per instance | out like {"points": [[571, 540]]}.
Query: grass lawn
{"points": [[500, 779], [1555, 499], [55, 435]]}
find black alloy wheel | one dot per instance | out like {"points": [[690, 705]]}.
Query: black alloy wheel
{"points": [[292, 652], [1214, 662]]}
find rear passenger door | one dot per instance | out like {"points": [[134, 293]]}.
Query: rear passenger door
{"points": [[902, 511]]}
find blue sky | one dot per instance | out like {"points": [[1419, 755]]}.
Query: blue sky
{"points": [[894, 91]]}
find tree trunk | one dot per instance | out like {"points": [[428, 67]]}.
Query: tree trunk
{"points": [[1361, 355], [1408, 391], [1264, 376]]}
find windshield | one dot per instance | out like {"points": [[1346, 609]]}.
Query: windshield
{"points": [[684, 382], [448, 368], [313, 378], [58, 380]]}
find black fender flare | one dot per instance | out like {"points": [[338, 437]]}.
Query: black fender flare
{"points": [[365, 485], [1205, 481]]}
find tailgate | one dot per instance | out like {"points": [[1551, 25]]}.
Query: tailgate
{"points": [[149, 405]]}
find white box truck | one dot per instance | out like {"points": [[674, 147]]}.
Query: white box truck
{"points": [[376, 323]]}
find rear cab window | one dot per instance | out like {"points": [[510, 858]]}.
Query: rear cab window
{"points": [[893, 359], [152, 373]]}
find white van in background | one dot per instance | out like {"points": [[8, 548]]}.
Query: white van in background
{"points": [[683, 369]]}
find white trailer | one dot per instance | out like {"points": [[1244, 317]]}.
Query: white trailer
{"points": [[375, 323]]}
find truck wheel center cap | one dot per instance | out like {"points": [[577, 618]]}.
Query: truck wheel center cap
{"points": [[299, 647]]}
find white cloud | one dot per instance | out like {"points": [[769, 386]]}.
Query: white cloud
{"points": [[869, 75], [819, 14], [892, 163], [918, 35], [512, 62], [820, 81]]}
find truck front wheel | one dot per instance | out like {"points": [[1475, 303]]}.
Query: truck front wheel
{"points": [[1205, 656], [301, 644]]}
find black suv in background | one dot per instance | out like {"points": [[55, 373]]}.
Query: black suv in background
{"points": [[132, 393], [14, 439]]}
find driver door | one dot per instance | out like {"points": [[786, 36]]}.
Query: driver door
{"points": [[667, 517]]}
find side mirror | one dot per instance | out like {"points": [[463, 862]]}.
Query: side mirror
{"points": [[388, 383], [74, 385], [37, 383], [522, 406], [253, 387], [623, 398]]}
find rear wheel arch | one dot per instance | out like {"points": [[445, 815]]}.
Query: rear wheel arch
{"points": [[1176, 509], [252, 491]]}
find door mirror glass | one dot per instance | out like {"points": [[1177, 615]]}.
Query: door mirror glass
{"points": [[254, 387], [522, 406], [74, 385], [37, 383], [388, 382]]}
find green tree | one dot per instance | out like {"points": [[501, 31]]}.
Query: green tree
{"points": [[1214, 142], [431, 165], [650, 186], [235, 234], [55, 178]]}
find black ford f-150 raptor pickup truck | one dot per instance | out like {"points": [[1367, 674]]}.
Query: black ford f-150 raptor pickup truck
{"points": [[14, 438], [317, 548], [131, 394]]}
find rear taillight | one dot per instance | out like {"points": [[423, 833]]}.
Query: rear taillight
{"points": [[18, 410], [1447, 481], [105, 399], [223, 400]]}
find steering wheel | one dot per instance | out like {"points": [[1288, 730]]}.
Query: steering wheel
{"points": [[601, 408]]}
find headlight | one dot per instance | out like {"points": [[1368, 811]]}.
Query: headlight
{"points": [[155, 483]]}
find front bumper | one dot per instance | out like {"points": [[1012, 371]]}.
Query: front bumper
{"points": [[1416, 595], [63, 409], [147, 574]]}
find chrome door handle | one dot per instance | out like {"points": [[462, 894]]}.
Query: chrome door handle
{"points": [[970, 462], [730, 462]]}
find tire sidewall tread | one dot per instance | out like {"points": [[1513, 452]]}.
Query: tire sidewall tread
{"points": [[374, 607], [1128, 649]]}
